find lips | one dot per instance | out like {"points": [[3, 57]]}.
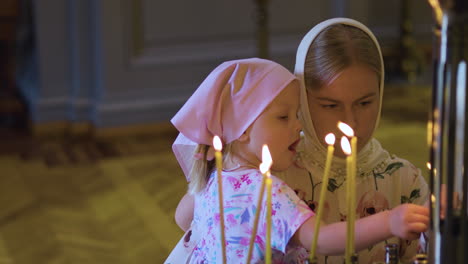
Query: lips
{"points": [[293, 146]]}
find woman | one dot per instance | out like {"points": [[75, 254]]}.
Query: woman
{"points": [[340, 66]]}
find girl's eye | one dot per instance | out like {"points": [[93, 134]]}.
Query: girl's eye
{"points": [[284, 117]]}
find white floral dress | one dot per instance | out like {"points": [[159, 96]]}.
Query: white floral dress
{"points": [[241, 191], [392, 181]]}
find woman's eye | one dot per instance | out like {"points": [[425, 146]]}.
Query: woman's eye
{"points": [[365, 103], [284, 117], [329, 105]]}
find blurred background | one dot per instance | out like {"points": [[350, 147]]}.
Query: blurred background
{"points": [[87, 89]]}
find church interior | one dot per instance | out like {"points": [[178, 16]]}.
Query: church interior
{"points": [[88, 88]]}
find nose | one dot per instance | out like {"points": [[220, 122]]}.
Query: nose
{"points": [[350, 117], [298, 125]]}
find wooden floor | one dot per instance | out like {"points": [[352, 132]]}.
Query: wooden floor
{"points": [[89, 201]]}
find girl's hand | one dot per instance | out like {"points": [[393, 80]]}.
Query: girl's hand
{"points": [[407, 221]]}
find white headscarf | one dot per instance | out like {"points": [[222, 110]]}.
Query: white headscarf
{"points": [[313, 152]]}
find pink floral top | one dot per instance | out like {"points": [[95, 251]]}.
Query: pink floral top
{"points": [[241, 191]]}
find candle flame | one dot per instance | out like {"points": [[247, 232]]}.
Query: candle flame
{"points": [[330, 139], [346, 129], [263, 168], [345, 145], [217, 143], [266, 159]]}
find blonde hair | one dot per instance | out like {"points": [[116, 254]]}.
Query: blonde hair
{"points": [[336, 48], [202, 168]]}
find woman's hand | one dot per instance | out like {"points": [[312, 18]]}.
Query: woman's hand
{"points": [[408, 221]]}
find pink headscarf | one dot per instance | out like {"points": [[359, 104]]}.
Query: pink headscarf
{"points": [[226, 104]]}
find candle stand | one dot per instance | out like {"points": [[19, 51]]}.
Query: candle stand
{"points": [[448, 134]]}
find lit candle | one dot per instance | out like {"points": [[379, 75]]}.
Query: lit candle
{"points": [[219, 167], [348, 131], [345, 145], [353, 189], [330, 139], [265, 169]]}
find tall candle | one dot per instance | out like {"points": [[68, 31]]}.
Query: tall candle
{"points": [[265, 169], [330, 139], [351, 179], [219, 167], [353, 189], [345, 145], [268, 226]]}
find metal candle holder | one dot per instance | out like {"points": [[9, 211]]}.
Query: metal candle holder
{"points": [[448, 135]]}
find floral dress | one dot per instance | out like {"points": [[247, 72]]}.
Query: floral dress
{"points": [[383, 182], [240, 192]]}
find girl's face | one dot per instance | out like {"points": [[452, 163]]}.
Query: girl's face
{"points": [[278, 127], [352, 97]]}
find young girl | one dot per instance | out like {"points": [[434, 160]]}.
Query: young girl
{"points": [[249, 103], [340, 66]]}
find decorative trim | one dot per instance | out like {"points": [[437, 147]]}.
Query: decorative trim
{"points": [[138, 111], [63, 109], [141, 129], [61, 128]]}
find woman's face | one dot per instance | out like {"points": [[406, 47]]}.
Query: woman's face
{"points": [[353, 98]]}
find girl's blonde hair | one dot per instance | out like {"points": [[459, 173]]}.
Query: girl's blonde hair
{"points": [[336, 48], [202, 168]]}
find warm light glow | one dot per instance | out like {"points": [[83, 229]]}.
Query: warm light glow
{"points": [[266, 160], [437, 10], [429, 133], [263, 168], [266, 156], [436, 129], [433, 198], [217, 143], [346, 129], [345, 146], [330, 139], [428, 165]]}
